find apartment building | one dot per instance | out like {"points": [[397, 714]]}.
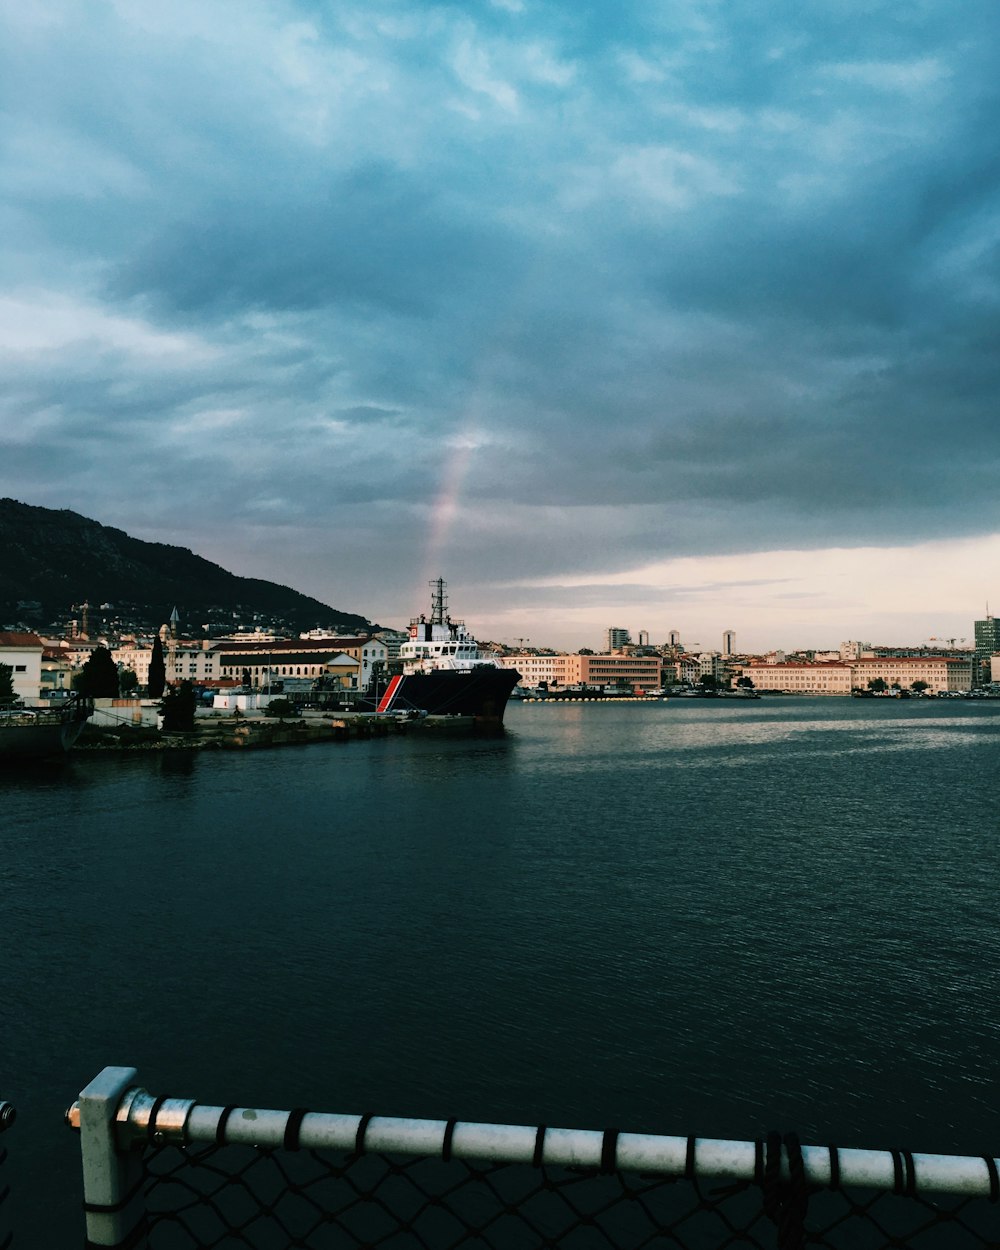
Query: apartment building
{"points": [[642, 671], [791, 677], [942, 673]]}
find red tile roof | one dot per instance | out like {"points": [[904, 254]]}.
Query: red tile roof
{"points": [[10, 639], [291, 644]]}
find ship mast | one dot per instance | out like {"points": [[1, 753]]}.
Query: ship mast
{"points": [[439, 601]]}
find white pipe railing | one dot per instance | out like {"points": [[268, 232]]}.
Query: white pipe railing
{"points": [[138, 1116]]}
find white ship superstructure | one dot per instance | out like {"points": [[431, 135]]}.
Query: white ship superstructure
{"points": [[437, 642]]}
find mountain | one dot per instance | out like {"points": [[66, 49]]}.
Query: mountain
{"points": [[52, 560]]}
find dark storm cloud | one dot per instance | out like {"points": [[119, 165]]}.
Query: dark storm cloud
{"points": [[375, 240], [611, 282]]}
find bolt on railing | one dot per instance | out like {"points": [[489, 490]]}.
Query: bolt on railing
{"points": [[7, 1117], [116, 1119]]}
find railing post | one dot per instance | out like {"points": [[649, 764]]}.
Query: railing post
{"points": [[112, 1177], [7, 1118]]}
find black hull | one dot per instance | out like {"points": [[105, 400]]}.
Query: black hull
{"points": [[479, 692], [46, 733]]}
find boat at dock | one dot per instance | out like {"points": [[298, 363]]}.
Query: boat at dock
{"points": [[39, 732], [445, 673]]}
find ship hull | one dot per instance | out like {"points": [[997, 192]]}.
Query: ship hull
{"points": [[44, 734], [481, 692]]}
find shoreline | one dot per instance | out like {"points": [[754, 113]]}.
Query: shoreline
{"points": [[249, 735]]}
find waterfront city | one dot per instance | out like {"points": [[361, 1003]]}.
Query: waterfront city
{"points": [[261, 662], [499, 697]]}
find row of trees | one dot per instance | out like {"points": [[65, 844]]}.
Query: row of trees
{"points": [[878, 685], [100, 678]]}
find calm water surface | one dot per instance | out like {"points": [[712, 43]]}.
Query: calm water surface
{"points": [[682, 917]]}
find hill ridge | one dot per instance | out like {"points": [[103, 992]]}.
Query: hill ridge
{"points": [[55, 558]]}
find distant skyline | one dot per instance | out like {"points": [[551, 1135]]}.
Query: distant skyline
{"points": [[656, 316]]}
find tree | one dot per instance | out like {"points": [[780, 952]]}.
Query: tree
{"points": [[920, 686], [377, 673], [178, 709], [127, 681], [707, 682], [157, 670], [877, 684], [6, 683], [99, 677], [745, 683]]}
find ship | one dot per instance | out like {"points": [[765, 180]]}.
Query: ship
{"points": [[445, 673], [37, 733]]}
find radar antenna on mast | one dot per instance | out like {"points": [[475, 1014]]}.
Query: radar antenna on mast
{"points": [[439, 600]]}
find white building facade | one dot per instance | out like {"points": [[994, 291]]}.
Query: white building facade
{"points": [[23, 654]]}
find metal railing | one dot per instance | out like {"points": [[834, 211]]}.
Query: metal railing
{"points": [[170, 1172], [7, 1118]]}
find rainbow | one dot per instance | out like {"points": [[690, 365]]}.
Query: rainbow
{"points": [[446, 505]]}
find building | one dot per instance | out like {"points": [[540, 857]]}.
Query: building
{"points": [[306, 658], [940, 673], [711, 664], [616, 638], [674, 638], [57, 672], [802, 677], [688, 669], [393, 639], [728, 642], [193, 661], [22, 653], [987, 636], [987, 643], [135, 658], [539, 670], [372, 655], [637, 671]]}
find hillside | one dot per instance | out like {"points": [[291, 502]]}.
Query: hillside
{"points": [[52, 560]]}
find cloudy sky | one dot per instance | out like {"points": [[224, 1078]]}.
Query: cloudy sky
{"points": [[661, 315]]}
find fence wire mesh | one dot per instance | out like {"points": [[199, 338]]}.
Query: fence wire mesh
{"points": [[235, 1196], [6, 1120]]}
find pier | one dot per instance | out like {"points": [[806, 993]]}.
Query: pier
{"points": [[259, 732]]}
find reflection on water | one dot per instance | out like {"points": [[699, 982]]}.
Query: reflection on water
{"points": [[675, 917], [709, 728]]}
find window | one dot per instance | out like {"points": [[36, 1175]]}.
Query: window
{"points": [[20, 668]]}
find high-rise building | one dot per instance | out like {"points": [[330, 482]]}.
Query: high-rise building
{"points": [[728, 642], [643, 637], [674, 638], [617, 638], [987, 635]]}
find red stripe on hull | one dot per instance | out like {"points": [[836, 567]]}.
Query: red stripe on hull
{"points": [[389, 695]]}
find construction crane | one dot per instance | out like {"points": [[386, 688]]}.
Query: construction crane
{"points": [[84, 609]]}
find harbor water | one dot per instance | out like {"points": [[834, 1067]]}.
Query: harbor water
{"points": [[702, 917]]}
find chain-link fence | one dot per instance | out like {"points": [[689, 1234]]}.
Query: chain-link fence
{"points": [[171, 1174], [7, 1117]]}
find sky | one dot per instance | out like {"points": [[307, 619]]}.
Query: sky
{"points": [[661, 316]]}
